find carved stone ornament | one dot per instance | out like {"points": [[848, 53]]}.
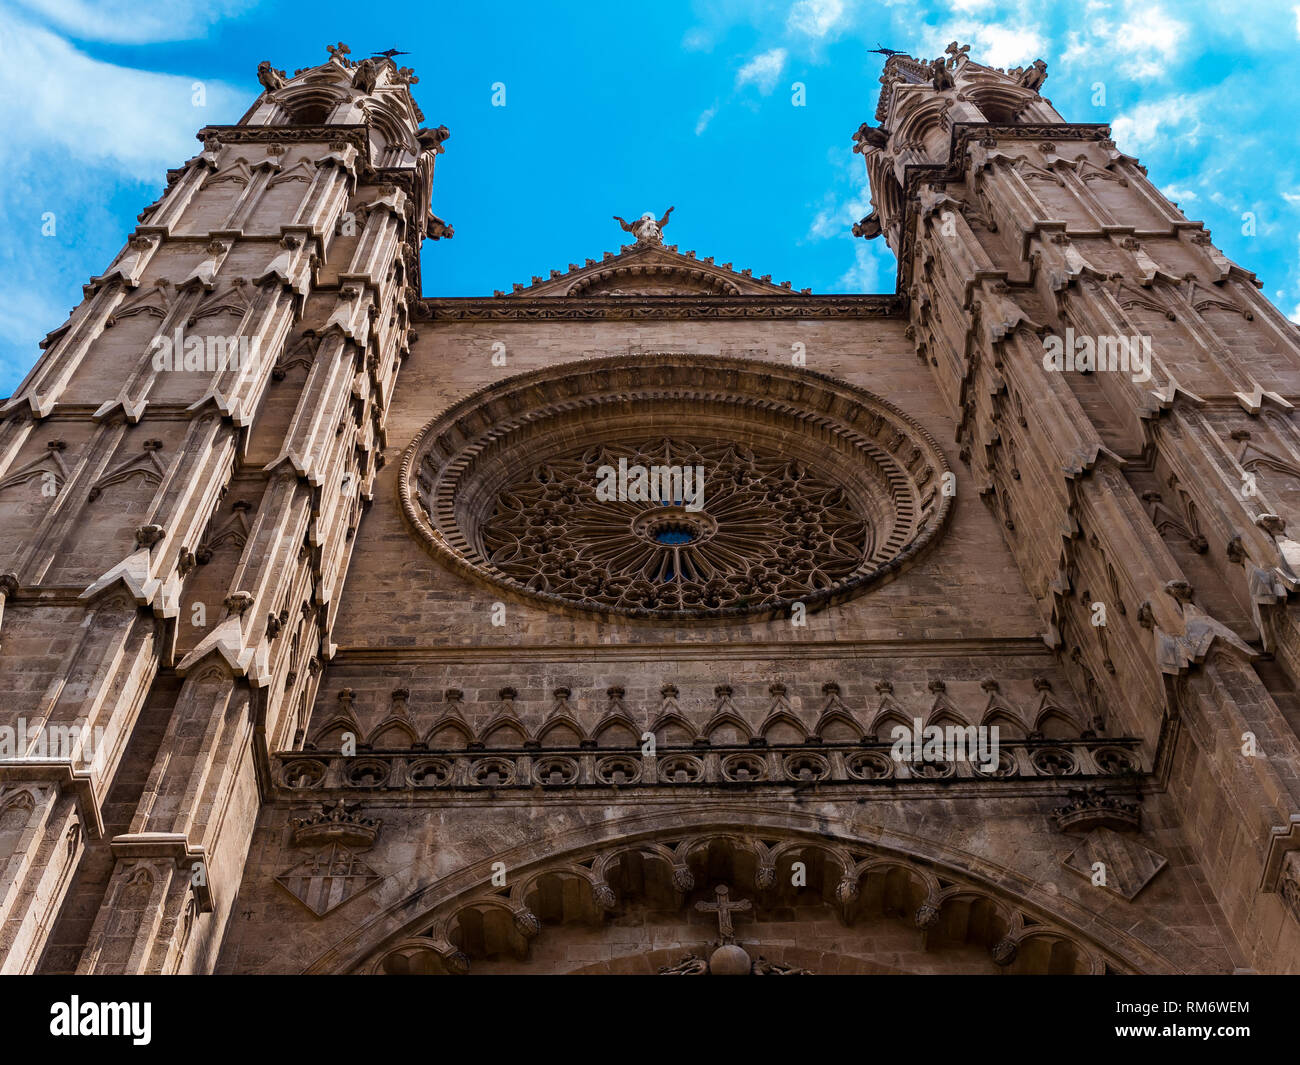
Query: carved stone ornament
{"points": [[328, 879], [813, 490], [340, 823]]}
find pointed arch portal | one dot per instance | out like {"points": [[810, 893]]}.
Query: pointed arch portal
{"points": [[622, 897]]}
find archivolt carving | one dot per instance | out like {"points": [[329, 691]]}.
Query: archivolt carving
{"points": [[667, 870], [813, 489]]}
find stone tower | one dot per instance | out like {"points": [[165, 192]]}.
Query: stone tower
{"points": [[310, 667], [1153, 496], [183, 470]]}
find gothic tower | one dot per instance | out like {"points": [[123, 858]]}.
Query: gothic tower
{"points": [[1146, 503], [183, 471], [597, 641]]}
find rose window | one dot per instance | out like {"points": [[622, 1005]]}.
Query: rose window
{"points": [[765, 529], [680, 487]]}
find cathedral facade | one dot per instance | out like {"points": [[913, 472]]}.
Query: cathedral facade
{"points": [[655, 616]]}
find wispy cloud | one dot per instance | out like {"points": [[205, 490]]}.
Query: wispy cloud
{"points": [[816, 18], [1158, 120], [133, 21], [135, 121], [1142, 42], [871, 271], [763, 70], [995, 44], [697, 40], [100, 129]]}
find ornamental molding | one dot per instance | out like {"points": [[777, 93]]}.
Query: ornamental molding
{"points": [[1027, 769], [614, 308], [1025, 925], [356, 135]]}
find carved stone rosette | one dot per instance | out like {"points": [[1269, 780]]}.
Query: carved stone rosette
{"points": [[814, 490]]}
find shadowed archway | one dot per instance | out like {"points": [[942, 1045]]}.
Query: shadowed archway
{"points": [[622, 897]]}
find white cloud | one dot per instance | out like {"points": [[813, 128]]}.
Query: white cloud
{"points": [[134, 21], [1159, 120], [1181, 195], [864, 274], [1151, 38], [1004, 46], [763, 70], [136, 121], [836, 217], [77, 134], [1141, 44], [1295, 313], [815, 18], [27, 313], [992, 45], [705, 118], [1080, 52]]}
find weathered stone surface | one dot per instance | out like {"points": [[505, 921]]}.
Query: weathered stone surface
{"points": [[323, 725]]}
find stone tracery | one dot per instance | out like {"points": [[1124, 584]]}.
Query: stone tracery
{"points": [[770, 529], [814, 489]]}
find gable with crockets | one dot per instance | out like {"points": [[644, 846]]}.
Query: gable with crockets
{"points": [[652, 269]]}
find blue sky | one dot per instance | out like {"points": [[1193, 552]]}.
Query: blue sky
{"points": [[624, 108]]}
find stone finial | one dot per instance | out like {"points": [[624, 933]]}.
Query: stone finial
{"points": [[956, 54]]}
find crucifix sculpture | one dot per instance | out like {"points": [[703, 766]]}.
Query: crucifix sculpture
{"points": [[956, 54], [724, 908]]}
